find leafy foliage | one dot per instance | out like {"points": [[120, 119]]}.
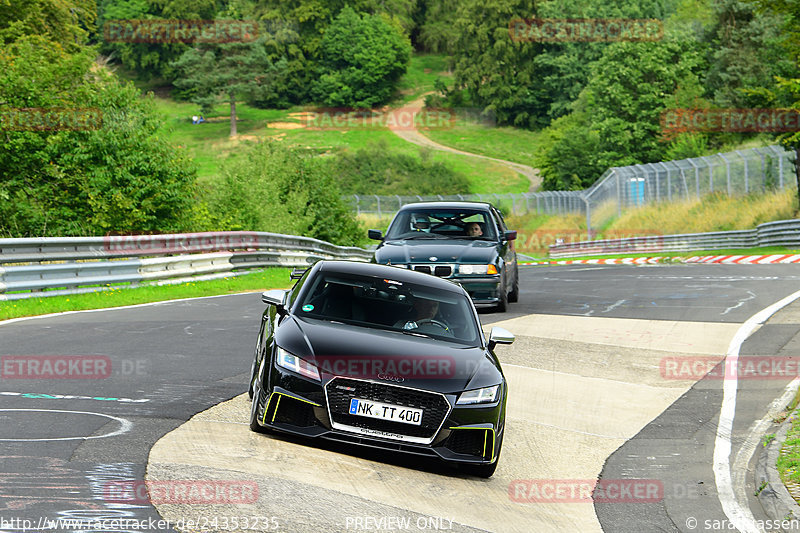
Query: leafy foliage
{"points": [[120, 177], [62, 21], [377, 170], [228, 72], [278, 189], [362, 59]]}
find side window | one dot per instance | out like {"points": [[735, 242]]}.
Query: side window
{"points": [[294, 291], [500, 222]]}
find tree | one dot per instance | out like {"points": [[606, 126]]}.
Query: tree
{"points": [[362, 59], [65, 22], [227, 72], [148, 60], [115, 174]]}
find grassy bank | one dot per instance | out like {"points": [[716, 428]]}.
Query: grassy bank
{"points": [[258, 281]]}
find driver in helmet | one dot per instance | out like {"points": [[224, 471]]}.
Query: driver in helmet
{"points": [[420, 223]]}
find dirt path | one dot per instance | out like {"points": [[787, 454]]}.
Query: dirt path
{"points": [[411, 134]]}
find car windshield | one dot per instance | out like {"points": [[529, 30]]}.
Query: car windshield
{"points": [[409, 308], [442, 224]]}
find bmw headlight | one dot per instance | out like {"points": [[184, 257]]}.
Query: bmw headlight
{"points": [[477, 269], [484, 395], [291, 362]]}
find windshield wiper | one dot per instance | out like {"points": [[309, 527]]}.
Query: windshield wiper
{"points": [[414, 333]]}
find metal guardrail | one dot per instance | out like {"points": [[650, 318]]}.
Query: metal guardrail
{"points": [[780, 233], [50, 266]]}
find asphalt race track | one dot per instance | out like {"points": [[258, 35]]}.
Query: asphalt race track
{"points": [[591, 397]]}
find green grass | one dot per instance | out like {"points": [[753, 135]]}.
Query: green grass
{"points": [[268, 279], [422, 72], [789, 460], [511, 144], [209, 143]]}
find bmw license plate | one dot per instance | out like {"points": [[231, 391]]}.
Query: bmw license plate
{"points": [[385, 411]]}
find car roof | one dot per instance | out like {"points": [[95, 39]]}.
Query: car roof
{"points": [[385, 271], [447, 205]]}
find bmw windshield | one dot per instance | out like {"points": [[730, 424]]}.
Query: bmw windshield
{"points": [[441, 224]]}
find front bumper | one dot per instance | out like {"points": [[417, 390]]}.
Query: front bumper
{"points": [[467, 434], [483, 290]]}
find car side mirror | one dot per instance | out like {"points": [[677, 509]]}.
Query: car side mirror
{"points": [[510, 235], [275, 297], [500, 335], [375, 234]]}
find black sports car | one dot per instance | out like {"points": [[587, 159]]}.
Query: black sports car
{"points": [[382, 357], [467, 242]]}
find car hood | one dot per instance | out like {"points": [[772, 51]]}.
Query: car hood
{"points": [[421, 251], [381, 355]]}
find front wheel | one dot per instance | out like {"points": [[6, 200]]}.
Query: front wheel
{"points": [[513, 296], [502, 305], [257, 408]]}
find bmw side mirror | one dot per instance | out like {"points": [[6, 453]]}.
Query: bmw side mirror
{"points": [[500, 335], [375, 234], [275, 297], [510, 235]]}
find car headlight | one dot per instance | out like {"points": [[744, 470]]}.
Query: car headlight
{"points": [[477, 269], [291, 362], [484, 395]]}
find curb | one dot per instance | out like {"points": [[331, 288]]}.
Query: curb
{"points": [[708, 259], [774, 498]]}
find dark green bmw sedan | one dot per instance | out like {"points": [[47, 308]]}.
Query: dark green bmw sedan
{"points": [[465, 242]]}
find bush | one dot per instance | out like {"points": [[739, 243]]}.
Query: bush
{"points": [[376, 170], [362, 59], [277, 189]]}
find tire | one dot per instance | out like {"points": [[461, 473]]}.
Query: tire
{"points": [[513, 296], [502, 305], [257, 409]]}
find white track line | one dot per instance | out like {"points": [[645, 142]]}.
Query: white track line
{"points": [[738, 513]]}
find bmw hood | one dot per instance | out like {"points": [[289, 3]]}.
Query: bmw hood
{"points": [[391, 356], [421, 251]]}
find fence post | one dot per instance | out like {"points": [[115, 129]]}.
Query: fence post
{"points": [[358, 204], [746, 172], [669, 181], [696, 177], [727, 171], [378, 199]]}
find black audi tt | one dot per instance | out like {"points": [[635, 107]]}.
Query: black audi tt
{"points": [[382, 357]]}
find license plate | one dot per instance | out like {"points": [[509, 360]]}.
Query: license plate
{"points": [[385, 411]]}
